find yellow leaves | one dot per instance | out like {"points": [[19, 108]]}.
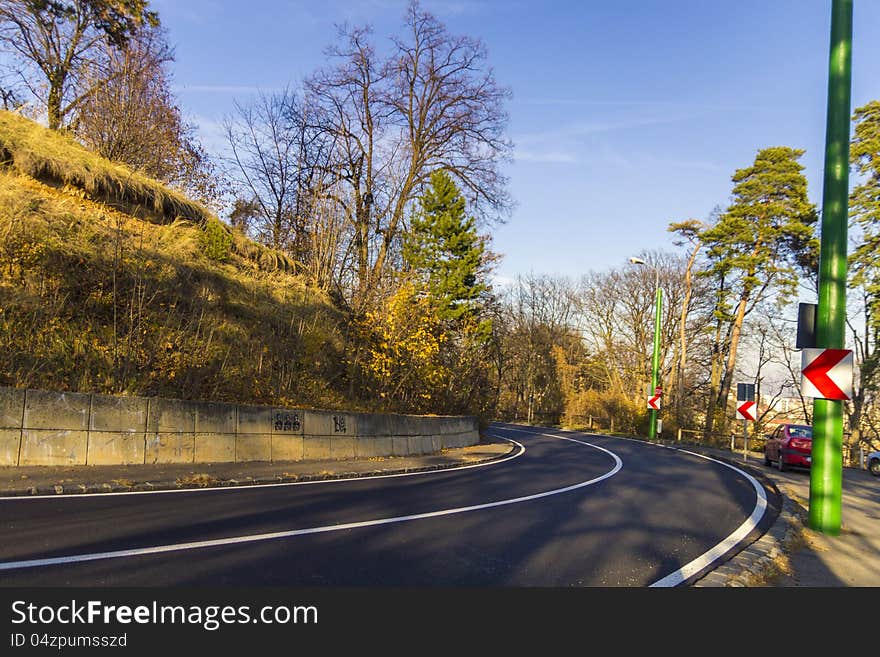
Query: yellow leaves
{"points": [[407, 341]]}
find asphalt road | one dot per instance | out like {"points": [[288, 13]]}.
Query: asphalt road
{"points": [[566, 510]]}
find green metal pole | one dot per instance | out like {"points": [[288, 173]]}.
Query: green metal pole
{"points": [[655, 361], [826, 473]]}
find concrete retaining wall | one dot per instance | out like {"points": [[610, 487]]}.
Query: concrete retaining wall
{"points": [[39, 427]]}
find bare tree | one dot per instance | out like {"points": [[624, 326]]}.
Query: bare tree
{"points": [[329, 234], [133, 117], [616, 320], [10, 93], [866, 342], [449, 111], [771, 348], [58, 41], [350, 111], [537, 318], [781, 340], [265, 143], [433, 104]]}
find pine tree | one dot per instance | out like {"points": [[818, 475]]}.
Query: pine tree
{"points": [[444, 251], [865, 198], [864, 270], [758, 247]]}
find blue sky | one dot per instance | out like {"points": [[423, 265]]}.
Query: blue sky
{"points": [[626, 114]]}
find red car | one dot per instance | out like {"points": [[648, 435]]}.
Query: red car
{"points": [[790, 445]]}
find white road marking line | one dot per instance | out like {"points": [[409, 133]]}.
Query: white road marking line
{"points": [[92, 496], [706, 559], [237, 540], [712, 555]]}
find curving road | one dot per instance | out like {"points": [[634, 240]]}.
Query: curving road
{"points": [[566, 509]]}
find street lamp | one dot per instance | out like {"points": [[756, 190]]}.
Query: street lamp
{"points": [[655, 360]]}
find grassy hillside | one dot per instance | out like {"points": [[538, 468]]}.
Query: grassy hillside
{"points": [[110, 282], [56, 158]]}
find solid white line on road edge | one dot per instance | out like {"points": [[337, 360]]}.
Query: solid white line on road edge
{"points": [[707, 558], [704, 560], [93, 496], [237, 540]]}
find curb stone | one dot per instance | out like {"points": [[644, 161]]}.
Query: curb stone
{"points": [[752, 566]]}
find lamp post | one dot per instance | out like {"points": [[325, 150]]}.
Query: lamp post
{"points": [[826, 473], [655, 360]]}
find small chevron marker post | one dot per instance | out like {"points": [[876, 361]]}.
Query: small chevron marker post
{"points": [[744, 411]]}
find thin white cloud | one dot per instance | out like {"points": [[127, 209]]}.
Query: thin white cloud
{"points": [[580, 129], [563, 133], [559, 157], [575, 102]]}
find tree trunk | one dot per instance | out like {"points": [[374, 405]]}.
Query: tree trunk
{"points": [[669, 383], [727, 381], [362, 249], [682, 333], [53, 106], [714, 383]]}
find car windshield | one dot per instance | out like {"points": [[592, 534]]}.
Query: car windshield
{"points": [[800, 432]]}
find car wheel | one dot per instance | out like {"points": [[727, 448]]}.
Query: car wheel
{"points": [[874, 467], [780, 464]]}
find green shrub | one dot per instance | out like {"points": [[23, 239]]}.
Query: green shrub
{"points": [[216, 241]]}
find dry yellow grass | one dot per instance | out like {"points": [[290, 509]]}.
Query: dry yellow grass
{"points": [[55, 157], [95, 298], [197, 479]]}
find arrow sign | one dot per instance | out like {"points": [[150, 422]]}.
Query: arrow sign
{"points": [[654, 402], [826, 373], [744, 411]]}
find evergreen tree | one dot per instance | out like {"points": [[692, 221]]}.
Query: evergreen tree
{"points": [[444, 250], [865, 199], [864, 269], [447, 261], [758, 247]]}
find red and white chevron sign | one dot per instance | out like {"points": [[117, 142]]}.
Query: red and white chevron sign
{"points": [[654, 401], [745, 411], [827, 373]]}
